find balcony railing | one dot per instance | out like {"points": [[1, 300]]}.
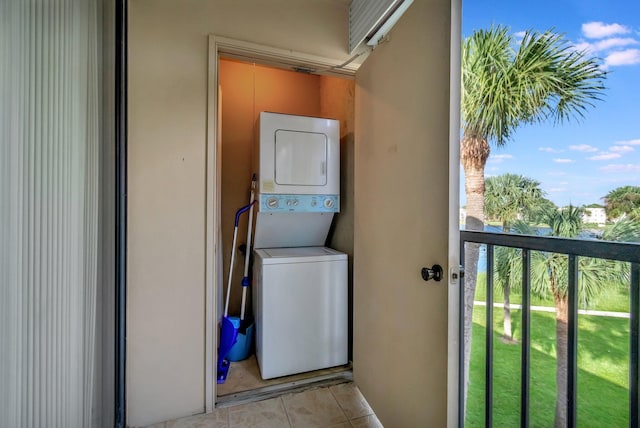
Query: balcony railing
{"points": [[573, 249]]}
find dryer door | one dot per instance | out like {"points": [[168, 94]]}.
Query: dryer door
{"points": [[301, 158]]}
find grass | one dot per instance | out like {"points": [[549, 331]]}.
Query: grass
{"points": [[614, 297], [603, 352]]}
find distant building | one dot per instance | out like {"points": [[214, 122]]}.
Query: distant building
{"points": [[594, 215]]}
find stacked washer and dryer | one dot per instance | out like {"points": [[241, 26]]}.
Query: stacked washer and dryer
{"points": [[300, 297]]}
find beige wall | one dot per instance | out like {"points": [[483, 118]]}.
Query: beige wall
{"points": [[167, 149], [401, 220]]}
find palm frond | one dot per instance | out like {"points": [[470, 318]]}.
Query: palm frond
{"points": [[505, 84], [625, 230]]}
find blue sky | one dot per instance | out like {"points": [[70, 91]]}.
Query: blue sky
{"points": [[581, 161]]}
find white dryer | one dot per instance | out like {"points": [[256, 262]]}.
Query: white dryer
{"points": [[301, 309], [297, 160]]}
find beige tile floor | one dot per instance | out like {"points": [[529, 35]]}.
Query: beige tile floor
{"points": [[245, 376], [338, 406]]}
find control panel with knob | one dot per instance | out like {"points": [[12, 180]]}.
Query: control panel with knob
{"points": [[272, 203], [299, 203]]}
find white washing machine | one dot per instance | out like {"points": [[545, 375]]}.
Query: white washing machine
{"points": [[301, 308]]}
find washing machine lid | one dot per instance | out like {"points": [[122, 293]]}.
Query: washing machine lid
{"points": [[299, 255]]}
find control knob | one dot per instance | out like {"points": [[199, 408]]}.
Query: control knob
{"points": [[272, 203], [328, 203]]}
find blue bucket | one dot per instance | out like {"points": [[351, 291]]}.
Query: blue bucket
{"points": [[242, 348]]}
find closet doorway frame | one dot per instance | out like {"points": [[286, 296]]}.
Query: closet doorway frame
{"points": [[260, 54]]}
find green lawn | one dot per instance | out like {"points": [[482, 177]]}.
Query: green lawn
{"points": [[603, 352], [613, 298]]}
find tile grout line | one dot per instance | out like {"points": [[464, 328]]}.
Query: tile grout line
{"points": [[286, 412], [340, 406]]}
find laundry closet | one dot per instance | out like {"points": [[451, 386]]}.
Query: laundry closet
{"points": [[302, 231]]}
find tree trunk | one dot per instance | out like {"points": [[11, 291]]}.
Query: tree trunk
{"points": [[508, 335], [562, 317], [474, 152]]}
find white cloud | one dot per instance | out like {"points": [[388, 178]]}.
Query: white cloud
{"points": [[609, 43], [614, 42], [605, 156], [628, 143], [583, 148], [499, 158], [599, 30], [520, 34], [557, 160], [549, 150], [557, 173], [621, 168], [621, 149], [624, 57], [584, 47], [605, 44], [557, 189]]}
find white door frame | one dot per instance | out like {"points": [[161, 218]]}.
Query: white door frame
{"points": [[456, 284]]}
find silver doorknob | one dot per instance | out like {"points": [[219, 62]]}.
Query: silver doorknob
{"points": [[435, 272]]}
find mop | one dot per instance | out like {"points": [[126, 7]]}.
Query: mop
{"points": [[230, 325], [240, 350]]}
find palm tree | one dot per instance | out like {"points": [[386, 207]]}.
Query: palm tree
{"points": [[549, 274], [508, 274], [549, 278], [625, 230], [533, 213], [506, 197], [623, 201], [506, 84]]}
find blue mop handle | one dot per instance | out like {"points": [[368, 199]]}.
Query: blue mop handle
{"points": [[247, 254], [233, 253], [242, 211]]}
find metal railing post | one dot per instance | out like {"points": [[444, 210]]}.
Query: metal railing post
{"points": [[634, 344], [572, 343], [526, 338], [488, 400]]}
